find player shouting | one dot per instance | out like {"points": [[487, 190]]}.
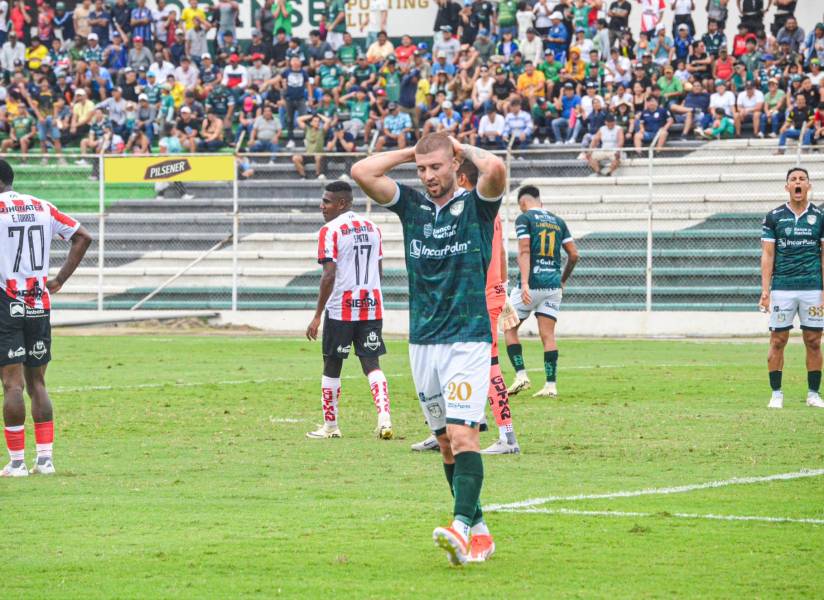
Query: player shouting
{"points": [[448, 242], [498, 307], [27, 226], [541, 236], [349, 248], [791, 282]]}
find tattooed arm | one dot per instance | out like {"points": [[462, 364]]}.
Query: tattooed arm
{"points": [[491, 169]]}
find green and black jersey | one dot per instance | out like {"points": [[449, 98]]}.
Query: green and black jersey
{"points": [[448, 250], [797, 242], [547, 234]]}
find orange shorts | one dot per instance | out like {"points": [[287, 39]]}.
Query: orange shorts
{"points": [[495, 300]]}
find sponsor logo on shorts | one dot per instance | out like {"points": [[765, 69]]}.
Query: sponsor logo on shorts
{"points": [[17, 309], [344, 349], [456, 208], [21, 351], [38, 351], [373, 341]]}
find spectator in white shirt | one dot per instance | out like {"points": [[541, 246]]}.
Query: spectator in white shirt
{"points": [[161, 67], [532, 48], [482, 90], [750, 105], [187, 73], [490, 129], [12, 51], [620, 67], [448, 43], [722, 98]]}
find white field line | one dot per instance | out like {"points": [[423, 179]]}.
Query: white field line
{"points": [[229, 382], [285, 420], [658, 491], [609, 513]]}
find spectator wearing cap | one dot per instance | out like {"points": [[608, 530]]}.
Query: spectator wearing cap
{"points": [[532, 47], [63, 22], [448, 119], [749, 107], [235, 76], [724, 66], [397, 129], [191, 13], [363, 75], [116, 55], [442, 64], [330, 75], [390, 80], [259, 72], [502, 89], [448, 45], [654, 121], [682, 43], [82, 112], [187, 128], [335, 23], [490, 128], [142, 22], [196, 43], [558, 37], [531, 83], [221, 101], [448, 15], [814, 44], [696, 104], [140, 57], [130, 85], [257, 46], [100, 20], [469, 26], [146, 117], [588, 102], [484, 45], [226, 13], [775, 106], [378, 110], [177, 47], [574, 70], [421, 62], [518, 124], [605, 146], [380, 50], [115, 109], [187, 73]]}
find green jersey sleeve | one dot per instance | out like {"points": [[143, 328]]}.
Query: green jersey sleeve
{"points": [[487, 207], [768, 229], [522, 226], [566, 236]]}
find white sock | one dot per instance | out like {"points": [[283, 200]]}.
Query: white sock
{"points": [[521, 373], [461, 528], [480, 529], [380, 391], [330, 395]]}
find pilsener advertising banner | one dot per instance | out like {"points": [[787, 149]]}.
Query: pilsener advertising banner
{"points": [[145, 169]]}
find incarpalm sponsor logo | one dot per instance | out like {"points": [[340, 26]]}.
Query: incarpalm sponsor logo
{"points": [[417, 249], [167, 168]]}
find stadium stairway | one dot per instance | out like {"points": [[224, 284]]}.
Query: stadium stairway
{"points": [[708, 203]]}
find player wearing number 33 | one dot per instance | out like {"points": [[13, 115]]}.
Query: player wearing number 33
{"points": [[27, 226], [448, 244], [791, 282]]}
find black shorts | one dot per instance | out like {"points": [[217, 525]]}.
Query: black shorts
{"points": [[25, 334], [338, 337]]}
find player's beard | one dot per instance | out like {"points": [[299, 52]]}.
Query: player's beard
{"points": [[442, 188]]}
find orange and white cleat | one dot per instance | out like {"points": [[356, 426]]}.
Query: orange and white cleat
{"points": [[481, 547], [455, 544]]}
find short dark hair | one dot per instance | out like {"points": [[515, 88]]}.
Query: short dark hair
{"points": [[341, 189], [470, 171], [790, 172], [529, 190], [6, 173]]}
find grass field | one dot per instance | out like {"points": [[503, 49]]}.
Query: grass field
{"points": [[183, 471]]}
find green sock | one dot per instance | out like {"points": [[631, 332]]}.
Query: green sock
{"points": [[551, 365], [466, 483], [479, 515], [516, 356], [449, 471]]}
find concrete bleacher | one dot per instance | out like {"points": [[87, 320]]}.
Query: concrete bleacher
{"points": [[707, 205]]}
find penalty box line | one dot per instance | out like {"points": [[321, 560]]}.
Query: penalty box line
{"points": [[610, 513], [804, 473]]}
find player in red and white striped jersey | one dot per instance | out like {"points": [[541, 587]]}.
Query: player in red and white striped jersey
{"points": [[350, 250], [27, 227]]}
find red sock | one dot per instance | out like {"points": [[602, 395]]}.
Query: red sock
{"points": [[330, 396], [499, 399], [44, 437], [16, 441]]}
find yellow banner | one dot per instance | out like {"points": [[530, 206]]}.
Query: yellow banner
{"points": [[170, 167]]}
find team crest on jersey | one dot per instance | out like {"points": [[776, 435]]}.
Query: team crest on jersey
{"points": [[427, 230], [811, 219], [788, 230], [373, 341], [39, 350], [17, 309], [456, 208]]}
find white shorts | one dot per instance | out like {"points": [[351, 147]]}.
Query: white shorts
{"points": [[452, 381], [546, 303], [786, 304], [334, 39]]}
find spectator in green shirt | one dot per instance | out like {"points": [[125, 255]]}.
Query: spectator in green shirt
{"points": [[315, 127], [331, 75], [722, 127], [507, 22], [671, 87], [358, 104], [349, 52], [550, 69]]}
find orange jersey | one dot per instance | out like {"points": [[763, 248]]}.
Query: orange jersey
{"points": [[495, 287]]}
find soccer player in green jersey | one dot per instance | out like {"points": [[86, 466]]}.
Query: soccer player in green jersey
{"points": [[791, 282], [541, 237], [448, 244]]}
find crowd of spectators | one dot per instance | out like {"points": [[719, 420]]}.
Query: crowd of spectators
{"points": [[115, 77]]}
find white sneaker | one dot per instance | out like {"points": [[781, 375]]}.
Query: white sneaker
{"points": [[501, 447], [777, 400], [187, 197], [324, 432], [550, 390], [384, 428], [81, 162], [321, 177], [46, 468], [9, 471], [290, 145], [520, 384], [345, 177], [814, 400], [457, 548], [429, 444]]}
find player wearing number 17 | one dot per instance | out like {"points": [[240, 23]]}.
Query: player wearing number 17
{"points": [[448, 244], [791, 282], [27, 226]]}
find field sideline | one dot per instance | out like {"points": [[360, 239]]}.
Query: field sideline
{"points": [[183, 471]]}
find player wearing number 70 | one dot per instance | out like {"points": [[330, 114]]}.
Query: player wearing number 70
{"points": [[541, 236], [27, 226]]}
